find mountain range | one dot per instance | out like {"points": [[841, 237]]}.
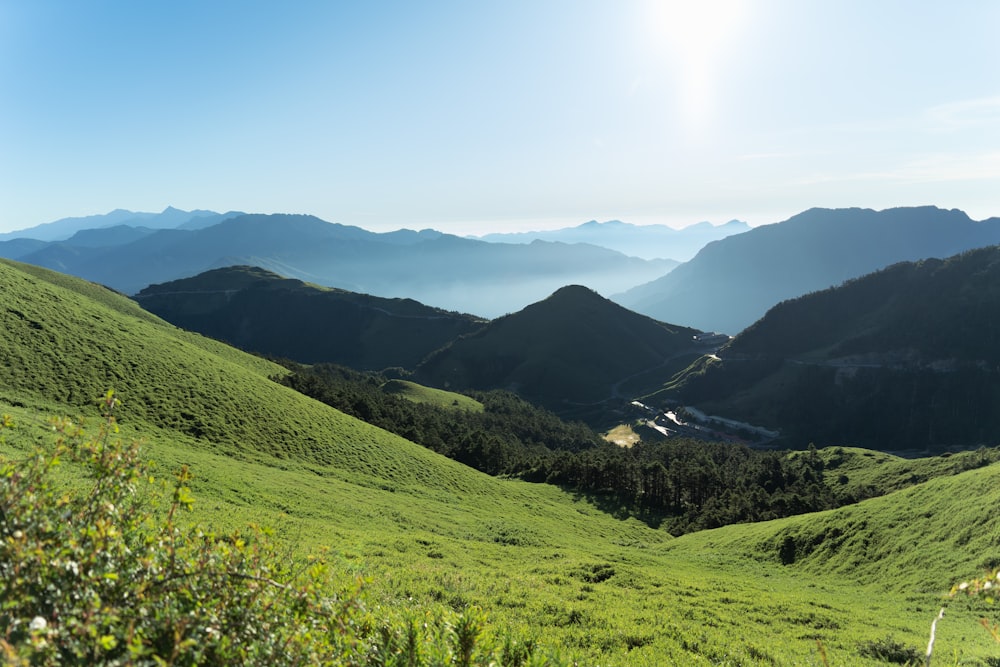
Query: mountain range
{"points": [[732, 282], [726, 286], [570, 352], [168, 218], [905, 359], [488, 279], [646, 241]]}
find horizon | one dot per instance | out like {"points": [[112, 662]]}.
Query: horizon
{"points": [[485, 228], [498, 117], [521, 226]]}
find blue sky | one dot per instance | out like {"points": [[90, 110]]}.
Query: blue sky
{"points": [[498, 116]]}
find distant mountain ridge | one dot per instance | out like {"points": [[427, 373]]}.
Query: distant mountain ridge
{"points": [[732, 282], [168, 218], [907, 358], [453, 273], [259, 311], [645, 241]]}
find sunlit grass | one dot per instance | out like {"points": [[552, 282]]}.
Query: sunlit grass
{"points": [[419, 393]]}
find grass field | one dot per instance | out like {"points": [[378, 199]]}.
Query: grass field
{"points": [[418, 393], [544, 564], [553, 568]]}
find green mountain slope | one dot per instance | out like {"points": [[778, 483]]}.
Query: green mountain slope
{"points": [[420, 394], [60, 345], [262, 312], [910, 541], [902, 359], [431, 535], [568, 351]]}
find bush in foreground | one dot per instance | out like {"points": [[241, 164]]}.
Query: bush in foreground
{"points": [[101, 575]]}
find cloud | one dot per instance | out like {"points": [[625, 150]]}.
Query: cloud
{"points": [[775, 155], [971, 167], [934, 168], [964, 115]]}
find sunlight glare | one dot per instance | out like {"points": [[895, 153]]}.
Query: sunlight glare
{"points": [[695, 37]]}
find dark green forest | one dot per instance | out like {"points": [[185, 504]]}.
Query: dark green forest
{"points": [[681, 484], [904, 359]]}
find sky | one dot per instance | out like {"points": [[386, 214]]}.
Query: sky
{"points": [[498, 115]]}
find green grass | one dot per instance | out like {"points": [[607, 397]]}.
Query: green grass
{"points": [[553, 568], [909, 541], [858, 471], [419, 393], [543, 563]]}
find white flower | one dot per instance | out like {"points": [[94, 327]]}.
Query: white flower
{"points": [[988, 585], [17, 535], [962, 586], [71, 566], [37, 623]]}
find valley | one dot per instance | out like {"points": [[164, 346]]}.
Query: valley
{"points": [[454, 463]]}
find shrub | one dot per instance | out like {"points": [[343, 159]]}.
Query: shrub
{"points": [[94, 577], [890, 650], [103, 575]]}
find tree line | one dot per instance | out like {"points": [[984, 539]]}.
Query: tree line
{"points": [[682, 484]]}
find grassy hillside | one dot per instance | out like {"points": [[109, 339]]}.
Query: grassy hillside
{"points": [[61, 346], [909, 541], [432, 535], [418, 393]]}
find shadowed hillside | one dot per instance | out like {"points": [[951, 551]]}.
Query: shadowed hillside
{"points": [[573, 348], [261, 312], [903, 359]]}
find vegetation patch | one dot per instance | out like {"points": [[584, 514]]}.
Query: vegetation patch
{"points": [[622, 435], [890, 650], [503, 532], [417, 393], [596, 572]]}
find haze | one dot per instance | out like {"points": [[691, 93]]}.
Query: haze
{"points": [[497, 116]]}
